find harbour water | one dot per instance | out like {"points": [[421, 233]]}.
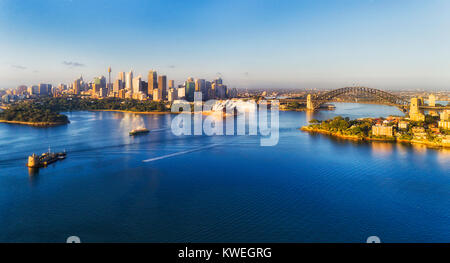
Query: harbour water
{"points": [[164, 188]]}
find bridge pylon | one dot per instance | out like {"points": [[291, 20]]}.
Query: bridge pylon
{"points": [[309, 103]]}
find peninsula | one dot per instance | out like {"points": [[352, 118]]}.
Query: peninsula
{"points": [[391, 129]]}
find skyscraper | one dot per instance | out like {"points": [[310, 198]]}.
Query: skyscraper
{"points": [[129, 81], [152, 81], [190, 89], [162, 87], [137, 86], [200, 86], [171, 84]]}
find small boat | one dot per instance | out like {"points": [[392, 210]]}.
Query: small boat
{"points": [[139, 131]]}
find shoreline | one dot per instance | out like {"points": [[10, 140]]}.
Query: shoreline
{"points": [[368, 139], [35, 124], [140, 112]]}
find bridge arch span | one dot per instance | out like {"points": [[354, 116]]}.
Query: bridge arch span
{"points": [[387, 97]]}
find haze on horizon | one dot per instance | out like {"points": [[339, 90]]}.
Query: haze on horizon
{"points": [[269, 44]]}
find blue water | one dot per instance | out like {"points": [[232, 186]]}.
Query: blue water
{"points": [[308, 188]]}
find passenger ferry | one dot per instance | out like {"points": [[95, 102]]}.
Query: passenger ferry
{"points": [[139, 131]]}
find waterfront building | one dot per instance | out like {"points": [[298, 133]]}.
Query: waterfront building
{"points": [[152, 82], [419, 132], [380, 130], [414, 112], [403, 125], [444, 125]]}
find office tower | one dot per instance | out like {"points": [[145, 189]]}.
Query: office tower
{"points": [[137, 87], [156, 94], [152, 82], [33, 90], [190, 89], [171, 84], [218, 81], [208, 88], [190, 79], [181, 92], [162, 87], [121, 76], [98, 85], [129, 81], [42, 89], [172, 94], [200, 86], [117, 85], [77, 87], [144, 87]]}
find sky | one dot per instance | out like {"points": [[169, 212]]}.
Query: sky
{"points": [[304, 44]]}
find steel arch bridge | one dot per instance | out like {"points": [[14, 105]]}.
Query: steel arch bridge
{"points": [[384, 96]]}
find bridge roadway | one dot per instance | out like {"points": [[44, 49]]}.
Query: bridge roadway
{"points": [[425, 107]]}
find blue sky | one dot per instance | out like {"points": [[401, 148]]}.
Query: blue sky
{"points": [[383, 44]]}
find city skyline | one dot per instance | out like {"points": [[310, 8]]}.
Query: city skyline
{"points": [[254, 44]]}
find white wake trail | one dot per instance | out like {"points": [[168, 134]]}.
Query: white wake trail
{"points": [[179, 153]]}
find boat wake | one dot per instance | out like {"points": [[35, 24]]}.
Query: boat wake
{"points": [[179, 153]]}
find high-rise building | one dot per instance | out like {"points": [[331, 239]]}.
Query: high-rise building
{"points": [[414, 111], [162, 87], [33, 90], [117, 86], [77, 87], [121, 76], [190, 89], [137, 86], [209, 91], [171, 84], [152, 81], [181, 91], [129, 81], [156, 94], [43, 89], [172, 94], [200, 86]]}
